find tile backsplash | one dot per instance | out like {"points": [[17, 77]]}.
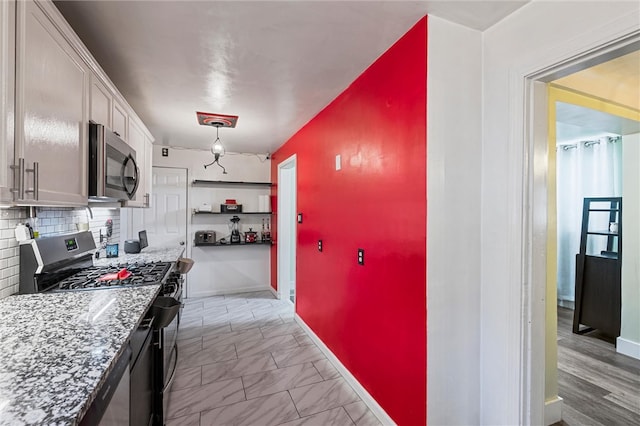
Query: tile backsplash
{"points": [[50, 221]]}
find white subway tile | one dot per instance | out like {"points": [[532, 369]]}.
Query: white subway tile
{"points": [[6, 253]]}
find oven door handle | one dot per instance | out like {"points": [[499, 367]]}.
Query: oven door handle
{"points": [[173, 373]]}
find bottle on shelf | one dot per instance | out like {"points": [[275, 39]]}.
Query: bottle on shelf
{"points": [[266, 232]]}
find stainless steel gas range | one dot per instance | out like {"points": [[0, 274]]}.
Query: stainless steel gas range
{"points": [[65, 263]]}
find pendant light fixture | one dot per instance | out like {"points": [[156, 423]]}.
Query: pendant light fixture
{"points": [[217, 121], [217, 149]]}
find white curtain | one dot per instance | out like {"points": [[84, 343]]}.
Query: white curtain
{"points": [[585, 169]]}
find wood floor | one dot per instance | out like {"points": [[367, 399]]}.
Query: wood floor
{"points": [[598, 385]]}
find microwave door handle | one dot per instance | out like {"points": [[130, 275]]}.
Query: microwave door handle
{"points": [[123, 178]]}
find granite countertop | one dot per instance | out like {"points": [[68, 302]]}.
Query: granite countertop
{"points": [[58, 348], [148, 254]]}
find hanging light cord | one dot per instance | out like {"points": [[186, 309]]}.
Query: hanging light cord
{"points": [[217, 137]]}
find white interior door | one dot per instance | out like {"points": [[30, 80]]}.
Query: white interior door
{"points": [[166, 219], [287, 219]]}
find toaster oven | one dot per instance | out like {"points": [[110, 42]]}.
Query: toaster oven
{"points": [[205, 237]]}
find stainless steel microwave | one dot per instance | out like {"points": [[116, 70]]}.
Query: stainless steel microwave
{"points": [[113, 171]]}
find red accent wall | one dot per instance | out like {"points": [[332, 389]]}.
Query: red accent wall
{"points": [[372, 317]]}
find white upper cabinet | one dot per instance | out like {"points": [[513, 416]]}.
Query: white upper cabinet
{"points": [[7, 85], [52, 83], [120, 123], [50, 87], [101, 103]]}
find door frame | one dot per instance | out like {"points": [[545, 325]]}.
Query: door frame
{"points": [[531, 180], [284, 248]]}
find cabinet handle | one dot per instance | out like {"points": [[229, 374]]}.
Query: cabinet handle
{"points": [[19, 190], [147, 199], [34, 170], [147, 322], [36, 180]]}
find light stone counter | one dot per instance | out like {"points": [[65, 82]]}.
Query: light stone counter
{"points": [[58, 348], [148, 254]]}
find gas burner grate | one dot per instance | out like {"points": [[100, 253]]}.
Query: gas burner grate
{"points": [[141, 274]]}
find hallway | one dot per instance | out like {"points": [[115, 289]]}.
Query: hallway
{"points": [[244, 361]]}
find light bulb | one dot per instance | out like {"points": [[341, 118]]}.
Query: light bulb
{"points": [[217, 148]]}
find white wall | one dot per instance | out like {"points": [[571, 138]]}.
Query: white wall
{"points": [[629, 341], [539, 35], [219, 270], [454, 132]]}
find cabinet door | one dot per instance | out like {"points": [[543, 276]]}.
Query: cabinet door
{"points": [[136, 140], [120, 120], [52, 85], [141, 390], [7, 86], [101, 103]]}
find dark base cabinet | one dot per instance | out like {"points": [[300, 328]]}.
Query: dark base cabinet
{"points": [[598, 295], [142, 378]]}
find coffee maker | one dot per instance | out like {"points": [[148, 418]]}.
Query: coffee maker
{"points": [[235, 232]]}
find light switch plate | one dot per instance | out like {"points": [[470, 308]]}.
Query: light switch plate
{"points": [[338, 162]]}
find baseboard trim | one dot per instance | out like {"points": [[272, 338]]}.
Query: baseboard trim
{"points": [[229, 291], [553, 411], [274, 292], [371, 403], [628, 348]]}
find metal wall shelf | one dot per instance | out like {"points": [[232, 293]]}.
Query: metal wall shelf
{"points": [[232, 213], [199, 182], [218, 244]]}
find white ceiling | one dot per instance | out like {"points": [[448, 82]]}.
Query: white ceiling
{"points": [[276, 64], [575, 123], [618, 82]]}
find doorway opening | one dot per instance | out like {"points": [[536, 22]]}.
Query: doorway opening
{"points": [[593, 149], [542, 237], [287, 229]]}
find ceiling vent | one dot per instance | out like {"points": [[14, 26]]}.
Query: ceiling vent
{"points": [[216, 120]]}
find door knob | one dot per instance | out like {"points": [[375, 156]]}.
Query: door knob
{"points": [[181, 243]]}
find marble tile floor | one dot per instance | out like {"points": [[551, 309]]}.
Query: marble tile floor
{"points": [[244, 361]]}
